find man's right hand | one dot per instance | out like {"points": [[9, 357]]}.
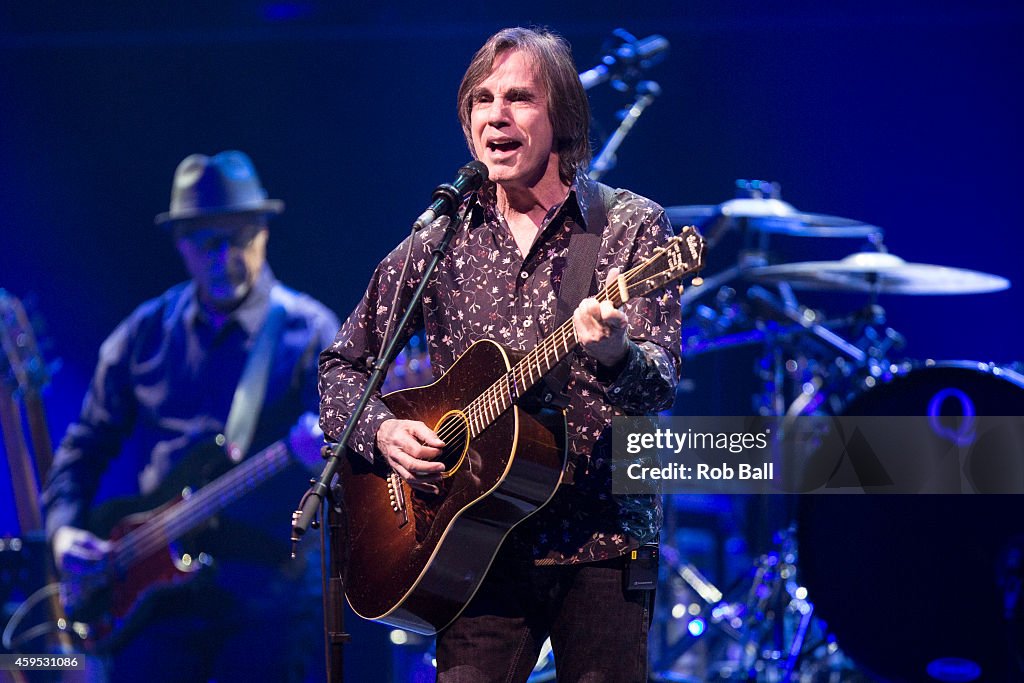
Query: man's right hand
{"points": [[410, 448]]}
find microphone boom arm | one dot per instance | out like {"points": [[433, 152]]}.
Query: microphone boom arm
{"points": [[647, 91]]}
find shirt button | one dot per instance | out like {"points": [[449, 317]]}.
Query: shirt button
{"points": [[524, 275]]}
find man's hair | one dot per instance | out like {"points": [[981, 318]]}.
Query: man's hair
{"points": [[568, 107]]}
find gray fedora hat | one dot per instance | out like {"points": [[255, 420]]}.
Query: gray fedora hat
{"points": [[225, 183]]}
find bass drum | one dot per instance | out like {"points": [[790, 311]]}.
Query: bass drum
{"points": [[908, 582]]}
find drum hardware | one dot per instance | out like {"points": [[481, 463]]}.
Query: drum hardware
{"points": [[759, 209], [711, 324], [746, 261], [813, 361], [807, 319], [698, 616], [771, 633], [815, 370], [878, 273], [801, 348], [784, 639], [788, 333]]}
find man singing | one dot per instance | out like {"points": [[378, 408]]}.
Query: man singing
{"points": [[559, 574]]}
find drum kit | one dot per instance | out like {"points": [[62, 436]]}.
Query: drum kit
{"points": [[808, 361], [783, 620]]}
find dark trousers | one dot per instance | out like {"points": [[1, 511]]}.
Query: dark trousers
{"points": [[598, 629]]}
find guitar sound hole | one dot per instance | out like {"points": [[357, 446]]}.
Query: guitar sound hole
{"points": [[454, 431]]}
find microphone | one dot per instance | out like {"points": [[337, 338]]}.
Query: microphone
{"points": [[625, 61], [448, 197]]}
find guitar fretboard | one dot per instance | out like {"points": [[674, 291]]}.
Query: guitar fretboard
{"points": [[502, 395], [170, 524], [680, 255]]}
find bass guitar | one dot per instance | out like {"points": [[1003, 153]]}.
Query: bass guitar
{"points": [[145, 560], [416, 559]]}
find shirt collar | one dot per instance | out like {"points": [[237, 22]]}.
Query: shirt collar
{"points": [[583, 192], [587, 194], [250, 314]]}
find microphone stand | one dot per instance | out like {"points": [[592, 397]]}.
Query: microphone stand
{"points": [[646, 92], [322, 490]]}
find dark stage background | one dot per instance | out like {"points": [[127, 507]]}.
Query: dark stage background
{"points": [[904, 115]]}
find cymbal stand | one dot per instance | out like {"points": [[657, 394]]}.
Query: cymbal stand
{"points": [[779, 619], [715, 612], [806, 318], [772, 366], [772, 631]]}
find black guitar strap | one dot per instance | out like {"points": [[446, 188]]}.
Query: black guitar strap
{"points": [[252, 386], [578, 277], [578, 282]]}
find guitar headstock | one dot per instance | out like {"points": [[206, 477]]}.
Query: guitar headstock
{"points": [[22, 367], [682, 255]]}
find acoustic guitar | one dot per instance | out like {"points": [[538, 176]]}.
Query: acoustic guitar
{"points": [[415, 559]]}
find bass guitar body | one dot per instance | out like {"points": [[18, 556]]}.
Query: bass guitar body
{"points": [[117, 607], [414, 559]]}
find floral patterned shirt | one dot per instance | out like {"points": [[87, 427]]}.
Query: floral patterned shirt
{"points": [[486, 289]]}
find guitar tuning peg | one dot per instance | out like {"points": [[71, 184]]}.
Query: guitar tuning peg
{"points": [[697, 281]]}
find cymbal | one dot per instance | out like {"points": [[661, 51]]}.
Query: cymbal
{"points": [[770, 216], [879, 272]]}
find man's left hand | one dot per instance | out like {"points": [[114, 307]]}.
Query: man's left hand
{"points": [[601, 328]]}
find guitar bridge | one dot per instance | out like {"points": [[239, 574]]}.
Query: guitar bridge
{"points": [[396, 494]]}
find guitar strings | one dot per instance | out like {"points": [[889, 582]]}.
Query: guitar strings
{"points": [[494, 395], [165, 526]]}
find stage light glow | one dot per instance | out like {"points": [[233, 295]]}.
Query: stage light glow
{"points": [[696, 627], [953, 670]]}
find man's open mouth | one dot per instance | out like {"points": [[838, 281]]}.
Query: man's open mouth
{"points": [[504, 145]]}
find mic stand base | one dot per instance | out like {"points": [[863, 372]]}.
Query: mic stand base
{"points": [[334, 540]]}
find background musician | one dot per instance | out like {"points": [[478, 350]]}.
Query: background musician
{"points": [[164, 384]]}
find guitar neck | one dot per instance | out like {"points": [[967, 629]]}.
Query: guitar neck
{"points": [[23, 477], [39, 432], [532, 367], [501, 395], [176, 520]]}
